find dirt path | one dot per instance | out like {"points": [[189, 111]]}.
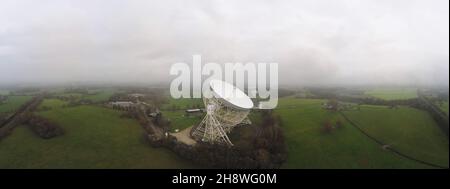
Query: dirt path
{"points": [[183, 136]]}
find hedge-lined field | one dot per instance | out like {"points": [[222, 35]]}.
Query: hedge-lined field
{"points": [[346, 147], [12, 103], [393, 94], [95, 137], [408, 130]]}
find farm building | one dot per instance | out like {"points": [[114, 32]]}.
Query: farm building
{"points": [[197, 110], [123, 105], [155, 113], [331, 105], [194, 112]]}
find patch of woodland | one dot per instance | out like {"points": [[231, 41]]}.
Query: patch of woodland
{"points": [[261, 146], [43, 127]]}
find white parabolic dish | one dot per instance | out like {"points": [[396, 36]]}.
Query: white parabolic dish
{"points": [[230, 94]]}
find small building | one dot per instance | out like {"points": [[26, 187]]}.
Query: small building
{"points": [[197, 110], [154, 114], [194, 112], [331, 105], [123, 105], [327, 106]]}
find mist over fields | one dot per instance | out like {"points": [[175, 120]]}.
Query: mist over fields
{"points": [[402, 42]]}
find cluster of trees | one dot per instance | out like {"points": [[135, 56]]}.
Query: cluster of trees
{"points": [[66, 98], [73, 100], [271, 150], [43, 127], [437, 100], [149, 124], [142, 115], [161, 121], [328, 126], [266, 148], [437, 114], [422, 102]]}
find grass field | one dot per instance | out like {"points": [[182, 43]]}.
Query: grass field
{"points": [[182, 103], [99, 95], [393, 94], [13, 103], [444, 106], [51, 103], [178, 119], [95, 137], [174, 110], [346, 147], [408, 130]]}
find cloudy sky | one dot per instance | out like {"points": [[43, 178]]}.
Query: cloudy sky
{"points": [[314, 42]]}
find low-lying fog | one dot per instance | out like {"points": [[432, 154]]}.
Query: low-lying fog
{"points": [[375, 42]]}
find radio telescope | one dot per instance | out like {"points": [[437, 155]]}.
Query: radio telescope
{"points": [[226, 106]]}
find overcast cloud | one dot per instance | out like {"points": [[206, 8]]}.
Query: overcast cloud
{"points": [[314, 42]]}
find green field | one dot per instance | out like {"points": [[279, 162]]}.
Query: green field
{"points": [[444, 106], [346, 147], [52, 103], [182, 103], [179, 120], [393, 94], [99, 95], [309, 147], [174, 110], [13, 103], [95, 137], [408, 130]]}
